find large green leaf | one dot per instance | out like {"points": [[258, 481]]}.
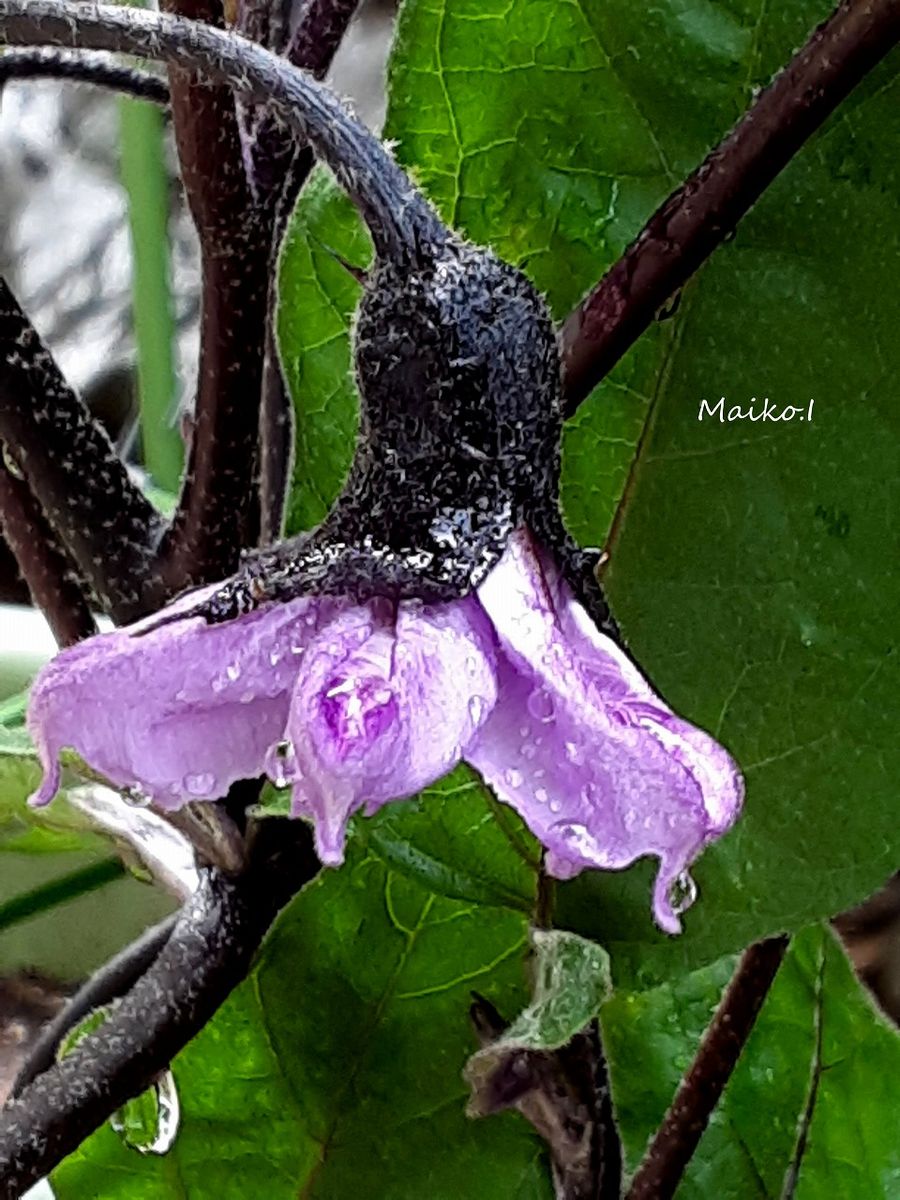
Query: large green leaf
{"points": [[851, 1148], [338, 1065], [747, 564]]}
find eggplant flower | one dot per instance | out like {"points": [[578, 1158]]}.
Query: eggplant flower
{"points": [[357, 705]]}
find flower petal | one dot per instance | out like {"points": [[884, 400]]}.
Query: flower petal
{"points": [[383, 707], [596, 764], [178, 712]]}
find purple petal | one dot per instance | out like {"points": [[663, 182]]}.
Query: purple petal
{"points": [[598, 766], [180, 712], [383, 708]]}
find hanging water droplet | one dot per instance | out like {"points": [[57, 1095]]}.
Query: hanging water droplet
{"points": [[280, 764], [199, 784], [541, 705], [682, 893], [149, 1123], [136, 795]]}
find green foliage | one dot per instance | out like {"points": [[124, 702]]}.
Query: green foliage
{"points": [[851, 1149], [339, 1063], [571, 982]]}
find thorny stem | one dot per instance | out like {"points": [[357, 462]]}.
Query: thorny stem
{"points": [[209, 952], [94, 69], [72, 470], [43, 564], [704, 211], [677, 1138], [218, 512]]}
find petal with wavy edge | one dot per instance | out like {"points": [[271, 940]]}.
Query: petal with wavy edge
{"points": [[178, 712], [596, 764]]}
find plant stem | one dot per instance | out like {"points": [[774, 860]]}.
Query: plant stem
{"points": [[146, 181], [705, 210], [58, 891], [677, 1138], [208, 953], [93, 69], [42, 562]]}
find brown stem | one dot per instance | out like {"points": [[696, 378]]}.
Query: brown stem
{"points": [[43, 564], [218, 511], [105, 523], [677, 1138], [695, 219]]}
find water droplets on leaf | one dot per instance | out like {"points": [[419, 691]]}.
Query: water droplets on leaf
{"points": [[149, 1123]]}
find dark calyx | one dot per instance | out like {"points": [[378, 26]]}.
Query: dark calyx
{"points": [[459, 379]]}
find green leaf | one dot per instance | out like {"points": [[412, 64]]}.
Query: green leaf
{"points": [[752, 1141], [571, 982], [340, 1061]]}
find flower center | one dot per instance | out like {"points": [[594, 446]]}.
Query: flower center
{"points": [[357, 712]]}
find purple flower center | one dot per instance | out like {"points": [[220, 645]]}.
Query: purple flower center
{"points": [[356, 713]]}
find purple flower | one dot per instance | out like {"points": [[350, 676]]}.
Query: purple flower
{"points": [[357, 705]]}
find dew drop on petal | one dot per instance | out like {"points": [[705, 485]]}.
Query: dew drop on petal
{"points": [[199, 784], [218, 684], [248, 697], [233, 671], [555, 805], [682, 893], [476, 708], [573, 752], [540, 794], [541, 705], [513, 777], [280, 764]]}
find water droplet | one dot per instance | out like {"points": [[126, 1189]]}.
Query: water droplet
{"points": [[248, 697], [556, 806], [572, 832], [280, 764], [274, 658], [137, 796], [541, 705], [573, 752], [199, 784], [219, 684], [149, 1123], [476, 708], [682, 893], [514, 778], [528, 750], [540, 794], [296, 649], [233, 671]]}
